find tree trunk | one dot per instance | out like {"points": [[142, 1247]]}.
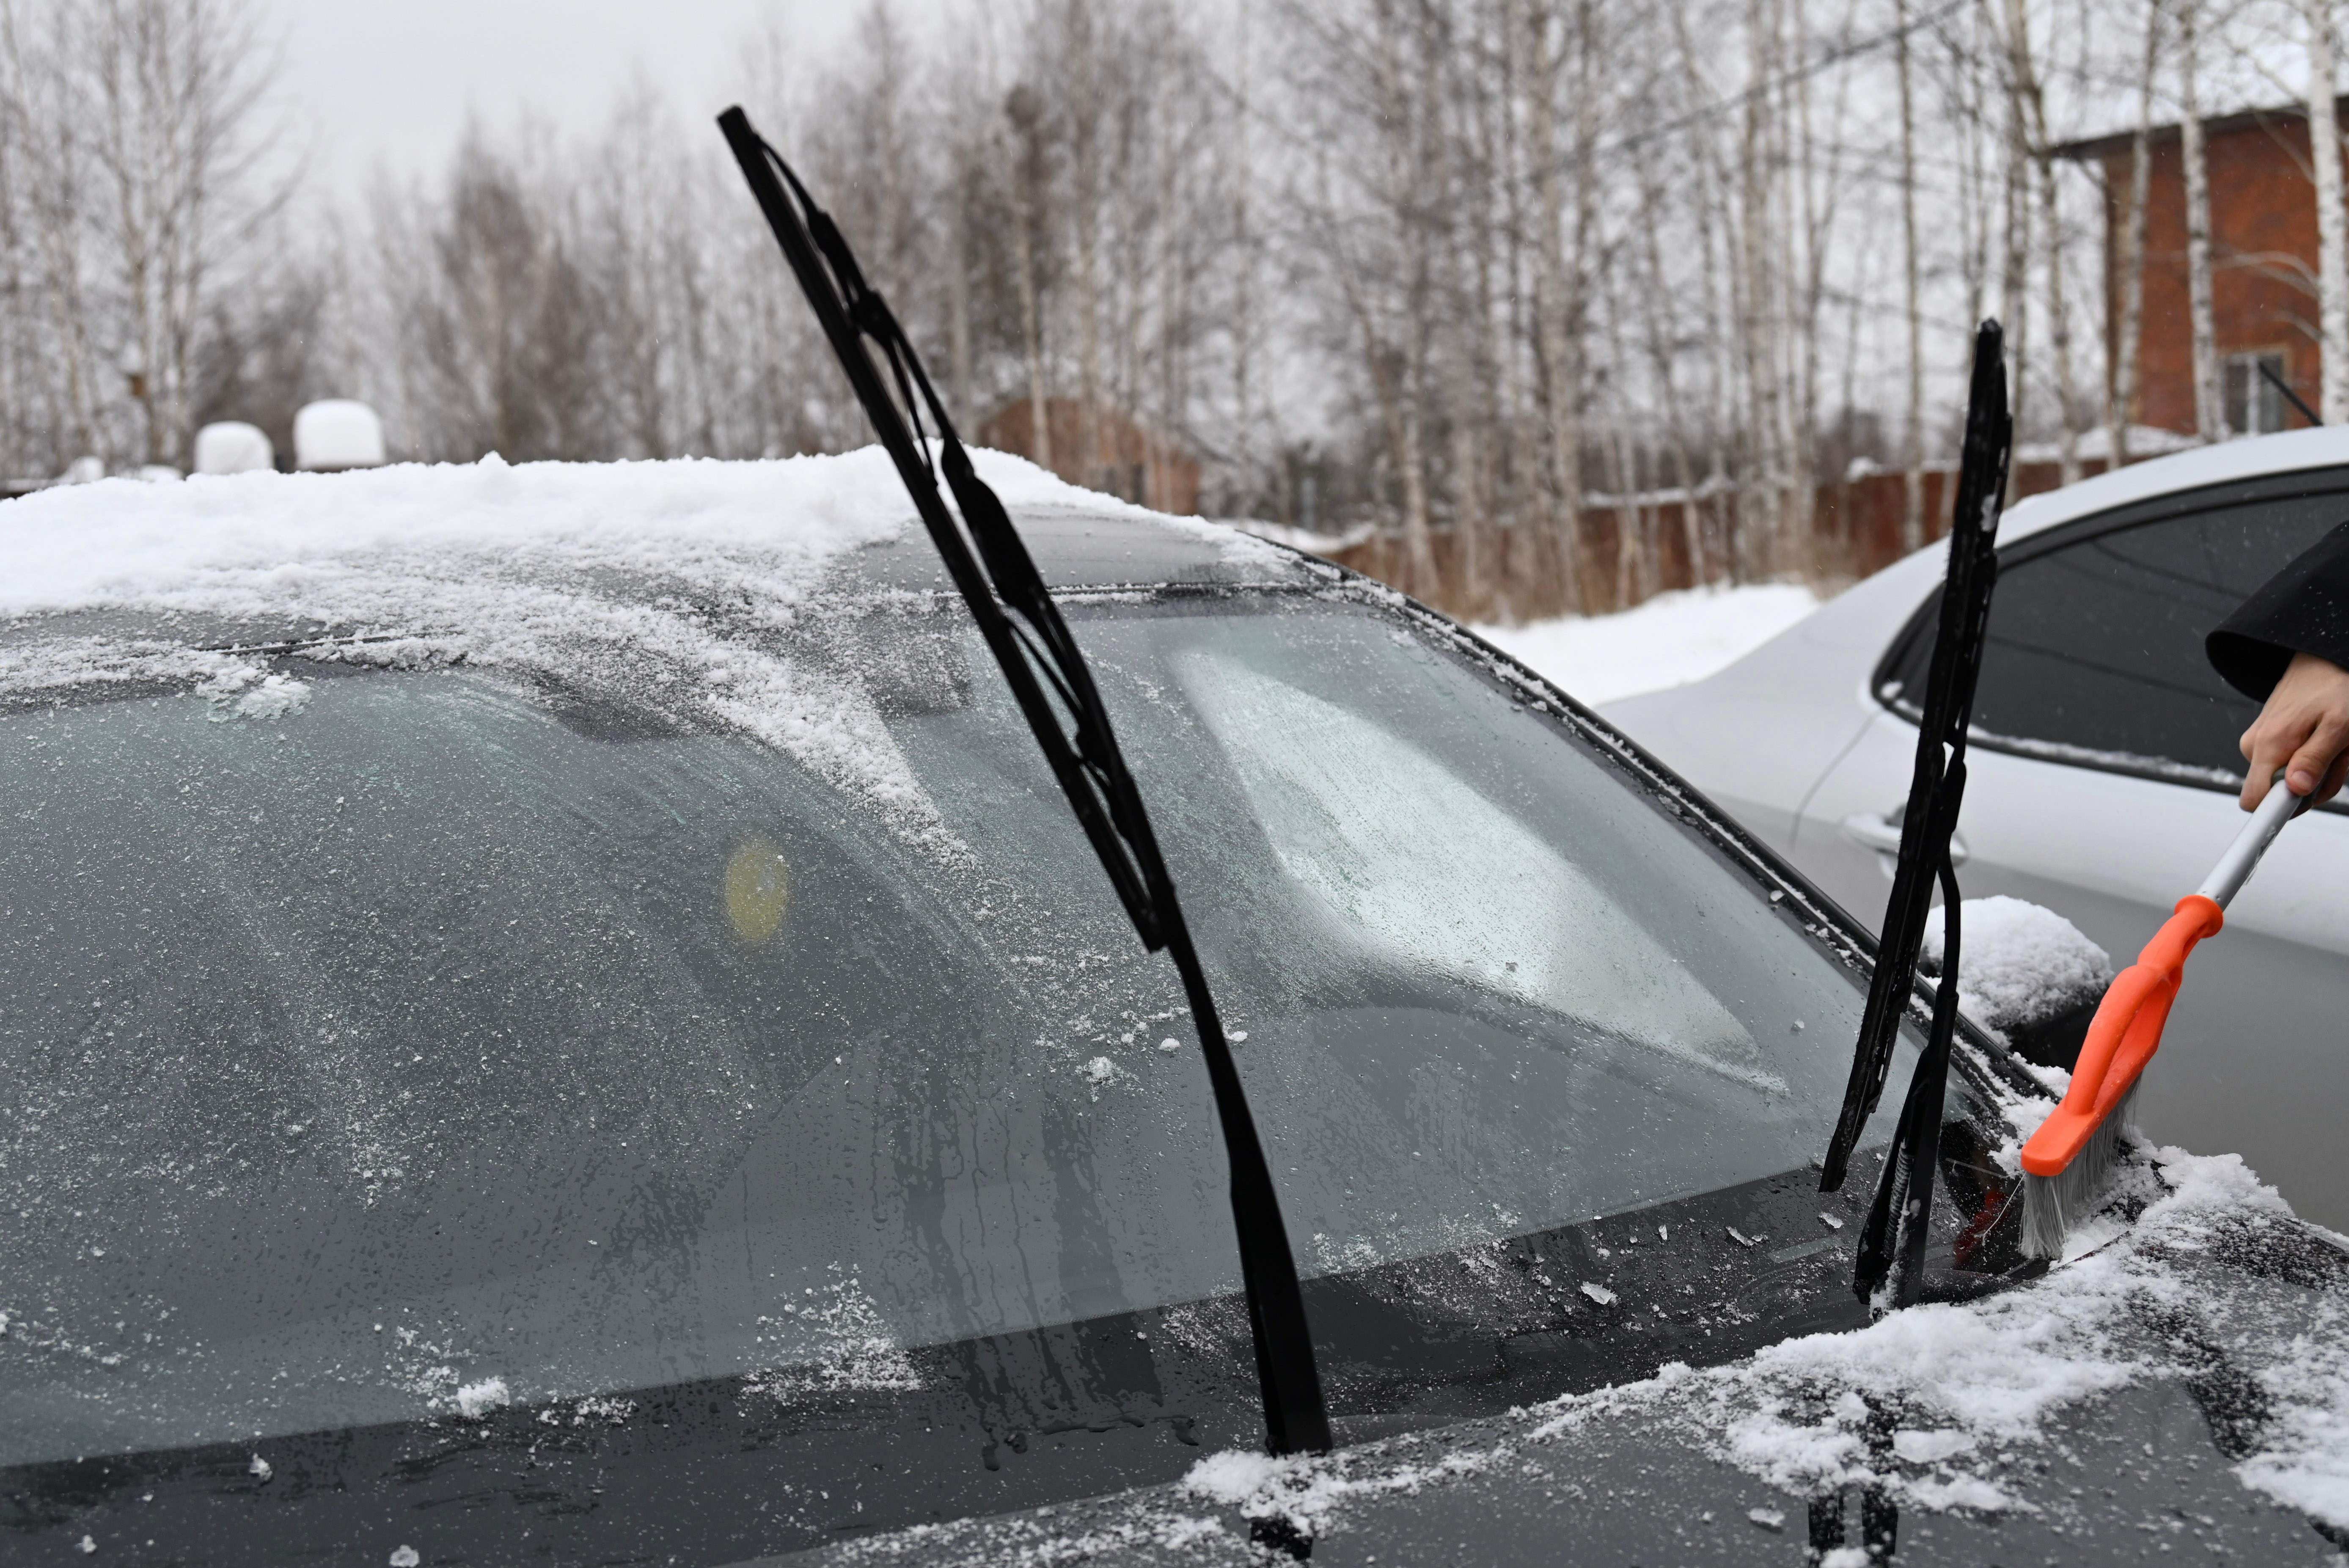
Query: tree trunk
{"points": [[958, 300], [2059, 320], [1807, 289], [1758, 490], [1027, 117], [2015, 278], [2122, 410], [1663, 330], [2332, 221], [1558, 378], [1711, 182], [1912, 442], [2209, 405], [1085, 210]]}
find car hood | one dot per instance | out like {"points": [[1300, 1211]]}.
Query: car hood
{"points": [[2181, 1380]]}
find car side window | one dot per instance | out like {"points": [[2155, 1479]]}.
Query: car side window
{"points": [[2095, 653]]}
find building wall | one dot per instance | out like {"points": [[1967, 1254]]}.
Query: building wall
{"points": [[2264, 257]]}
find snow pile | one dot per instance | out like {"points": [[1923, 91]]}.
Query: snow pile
{"points": [[1303, 1491], [1941, 1408], [1041, 1540], [675, 579], [2306, 1462], [2018, 963], [1965, 1379], [1935, 1404], [1669, 640], [478, 1400]]}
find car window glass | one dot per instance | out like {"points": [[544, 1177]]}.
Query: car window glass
{"points": [[2094, 650], [429, 1045], [1394, 852]]}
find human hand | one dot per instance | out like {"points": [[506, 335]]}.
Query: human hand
{"points": [[2303, 730]]}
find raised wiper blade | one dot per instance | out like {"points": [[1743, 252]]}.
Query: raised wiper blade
{"points": [[1054, 688], [1892, 1242]]}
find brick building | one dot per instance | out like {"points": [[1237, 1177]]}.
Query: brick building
{"points": [[2263, 266]]}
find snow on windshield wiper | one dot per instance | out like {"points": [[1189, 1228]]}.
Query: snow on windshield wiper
{"points": [[1024, 630], [1889, 1270]]}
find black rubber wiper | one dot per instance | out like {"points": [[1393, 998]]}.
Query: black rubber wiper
{"points": [[1892, 1243], [1054, 689]]}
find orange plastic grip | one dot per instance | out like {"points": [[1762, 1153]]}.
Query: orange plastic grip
{"points": [[2123, 1037]]}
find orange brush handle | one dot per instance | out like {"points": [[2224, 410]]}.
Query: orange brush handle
{"points": [[2126, 1033]]}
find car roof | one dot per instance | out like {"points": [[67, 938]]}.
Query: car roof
{"points": [[1091, 547], [2253, 457], [121, 541]]}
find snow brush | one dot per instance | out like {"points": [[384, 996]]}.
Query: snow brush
{"points": [[2069, 1160]]}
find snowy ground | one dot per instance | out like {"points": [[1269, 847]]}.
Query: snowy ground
{"points": [[1669, 640]]}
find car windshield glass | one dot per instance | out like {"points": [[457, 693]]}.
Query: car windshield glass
{"points": [[415, 1043]]}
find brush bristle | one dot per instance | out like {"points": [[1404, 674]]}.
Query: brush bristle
{"points": [[2054, 1205]]}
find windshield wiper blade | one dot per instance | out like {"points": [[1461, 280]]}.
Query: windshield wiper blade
{"points": [[1054, 688], [1892, 1242]]}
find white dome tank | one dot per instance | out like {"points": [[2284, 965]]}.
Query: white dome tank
{"points": [[232, 446], [338, 433]]}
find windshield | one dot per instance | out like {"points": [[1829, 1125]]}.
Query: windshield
{"points": [[416, 1043]]}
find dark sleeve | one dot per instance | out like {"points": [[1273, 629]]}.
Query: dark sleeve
{"points": [[2304, 608]]}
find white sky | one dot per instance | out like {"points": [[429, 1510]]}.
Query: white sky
{"points": [[392, 83]]}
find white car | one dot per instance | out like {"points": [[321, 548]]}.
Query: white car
{"points": [[2103, 770]]}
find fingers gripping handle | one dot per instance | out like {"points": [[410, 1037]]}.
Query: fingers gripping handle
{"points": [[2234, 867]]}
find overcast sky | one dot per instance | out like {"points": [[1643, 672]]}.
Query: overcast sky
{"points": [[394, 82]]}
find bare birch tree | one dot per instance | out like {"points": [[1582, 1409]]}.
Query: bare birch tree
{"points": [[2332, 221], [1913, 435], [2121, 405], [2210, 404], [142, 164]]}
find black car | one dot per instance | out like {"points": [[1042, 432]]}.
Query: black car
{"points": [[557, 1014]]}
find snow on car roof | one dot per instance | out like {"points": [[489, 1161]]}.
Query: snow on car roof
{"points": [[263, 542], [675, 580]]}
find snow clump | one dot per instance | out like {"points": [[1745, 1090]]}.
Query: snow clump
{"points": [[2018, 963], [476, 1399]]}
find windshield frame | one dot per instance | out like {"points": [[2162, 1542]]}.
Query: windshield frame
{"points": [[593, 1448]]}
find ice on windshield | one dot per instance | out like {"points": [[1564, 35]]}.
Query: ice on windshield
{"points": [[407, 1031], [1403, 854], [679, 584]]}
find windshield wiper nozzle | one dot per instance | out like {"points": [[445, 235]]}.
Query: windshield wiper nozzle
{"points": [[1054, 688]]}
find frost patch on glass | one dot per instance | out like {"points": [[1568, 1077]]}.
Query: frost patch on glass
{"points": [[835, 1339], [1406, 855], [677, 582]]}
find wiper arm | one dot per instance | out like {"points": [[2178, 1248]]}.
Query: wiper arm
{"points": [[1892, 1242], [1031, 644]]}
